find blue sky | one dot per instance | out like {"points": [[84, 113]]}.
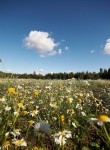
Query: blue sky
{"points": [[54, 35]]}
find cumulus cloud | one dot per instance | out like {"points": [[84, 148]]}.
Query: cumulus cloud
{"points": [[41, 42], [107, 47]]}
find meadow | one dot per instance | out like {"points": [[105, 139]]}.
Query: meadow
{"points": [[54, 114]]}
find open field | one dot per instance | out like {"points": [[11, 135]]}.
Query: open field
{"points": [[54, 114]]}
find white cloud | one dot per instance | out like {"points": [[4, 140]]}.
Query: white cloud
{"points": [[66, 48], [107, 47], [60, 51], [62, 40], [9, 70], [41, 42], [53, 53], [92, 51], [40, 71]]}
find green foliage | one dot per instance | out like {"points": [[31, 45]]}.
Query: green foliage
{"points": [[103, 74], [36, 106]]}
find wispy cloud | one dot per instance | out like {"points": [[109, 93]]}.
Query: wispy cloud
{"points": [[66, 48], [60, 51], [41, 71], [62, 40], [92, 51], [41, 42], [107, 47], [53, 53]]}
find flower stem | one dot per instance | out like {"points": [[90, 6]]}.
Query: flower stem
{"points": [[107, 135]]}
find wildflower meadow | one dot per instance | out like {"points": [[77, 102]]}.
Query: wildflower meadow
{"points": [[54, 114]]}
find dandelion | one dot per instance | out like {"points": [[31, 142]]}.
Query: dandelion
{"points": [[36, 93], [100, 120], [11, 90]]}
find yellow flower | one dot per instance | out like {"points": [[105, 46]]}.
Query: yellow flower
{"points": [[20, 105], [79, 100], [25, 112], [16, 93], [34, 148], [31, 122], [6, 144], [36, 93], [70, 100], [103, 118], [100, 120], [62, 118], [61, 99], [11, 90]]}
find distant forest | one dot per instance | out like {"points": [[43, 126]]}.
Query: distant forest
{"points": [[102, 74]]}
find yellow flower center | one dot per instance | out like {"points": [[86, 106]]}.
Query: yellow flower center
{"points": [[19, 142], [103, 118], [31, 122], [25, 112], [62, 133], [20, 104], [61, 99], [34, 111], [69, 100], [79, 100]]}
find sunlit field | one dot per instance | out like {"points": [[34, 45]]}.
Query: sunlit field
{"points": [[54, 114]]}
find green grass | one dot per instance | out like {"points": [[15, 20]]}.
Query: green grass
{"points": [[75, 100]]}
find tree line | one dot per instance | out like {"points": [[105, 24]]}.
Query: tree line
{"points": [[102, 74]]}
